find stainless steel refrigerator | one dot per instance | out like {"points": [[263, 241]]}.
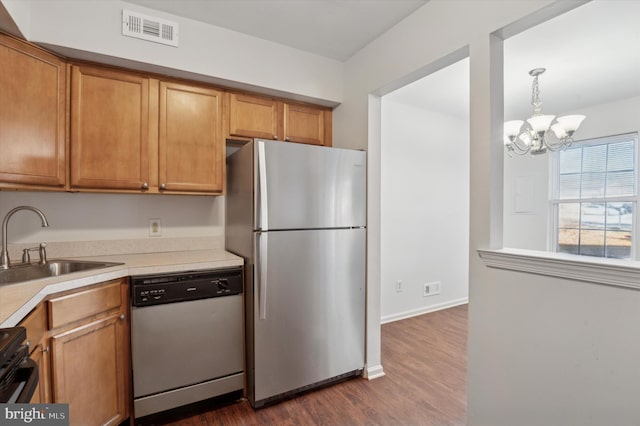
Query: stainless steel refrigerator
{"points": [[297, 214]]}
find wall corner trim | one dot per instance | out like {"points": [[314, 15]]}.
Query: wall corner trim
{"points": [[373, 372], [613, 272]]}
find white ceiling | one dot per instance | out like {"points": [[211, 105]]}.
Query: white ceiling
{"points": [[591, 53], [592, 56], [332, 28]]}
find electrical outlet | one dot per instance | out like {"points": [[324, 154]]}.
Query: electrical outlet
{"points": [[398, 286], [155, 227], [431, 289]]}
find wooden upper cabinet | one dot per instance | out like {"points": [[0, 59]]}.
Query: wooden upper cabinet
{"points": [[191, 148], [254, 117], [267, 118], [109, 129], [33, 86], [305, 124]]}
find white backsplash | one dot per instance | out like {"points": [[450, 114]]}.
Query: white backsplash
{"points": [[72, 249], [83, 224]]}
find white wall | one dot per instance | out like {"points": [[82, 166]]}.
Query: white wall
{"points": [[526, 201], [13, 12], [92, 29], [436, 35], [530, 230], [90, 217], [542, 351], [424, 209]]}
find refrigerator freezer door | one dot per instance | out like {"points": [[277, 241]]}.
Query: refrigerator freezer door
{"points": [[307, 187], [308, 309]]}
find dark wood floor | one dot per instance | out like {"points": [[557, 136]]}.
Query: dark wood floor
{"points": [[425, 362]]}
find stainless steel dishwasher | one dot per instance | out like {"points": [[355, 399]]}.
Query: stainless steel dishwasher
{"points": [[186, 338]]}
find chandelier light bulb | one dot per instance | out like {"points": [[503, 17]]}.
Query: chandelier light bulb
{"points": [[533, 135]]}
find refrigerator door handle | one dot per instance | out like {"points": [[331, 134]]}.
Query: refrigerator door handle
{"points": [[262, 176], [262, 276]]}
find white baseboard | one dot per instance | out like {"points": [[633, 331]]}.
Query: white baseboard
{"points": [[373, 372], [424, 310]]}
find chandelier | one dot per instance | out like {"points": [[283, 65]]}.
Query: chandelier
{"points": [[534, 135]]}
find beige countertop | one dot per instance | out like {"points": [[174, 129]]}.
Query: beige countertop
{"points": [[17, 300]]}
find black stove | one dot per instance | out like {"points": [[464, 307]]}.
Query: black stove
{"points": [[18, 373], [10, 340]]}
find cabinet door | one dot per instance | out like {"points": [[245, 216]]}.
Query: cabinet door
{"points": [[40, 356], [109, 129], [253, 117], [191, 149], [90, 371], [304, 124], [32, 115], [36, 326]]}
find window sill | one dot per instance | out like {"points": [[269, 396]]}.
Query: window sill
{"points": [[614, 272]]}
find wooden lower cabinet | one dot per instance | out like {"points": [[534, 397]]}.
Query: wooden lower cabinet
{"points": [[36, 325], [83, 353], [40, 356], [90, 371]]}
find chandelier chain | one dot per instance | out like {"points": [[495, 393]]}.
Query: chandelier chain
{"points": [[536, 101]]}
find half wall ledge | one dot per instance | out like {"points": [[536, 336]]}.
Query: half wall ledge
{"points": [[613, 272]]}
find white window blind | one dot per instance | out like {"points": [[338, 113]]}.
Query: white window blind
{"points": [[595, 197]]}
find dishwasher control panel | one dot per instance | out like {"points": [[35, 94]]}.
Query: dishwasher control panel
{"points": [[148, 290]]}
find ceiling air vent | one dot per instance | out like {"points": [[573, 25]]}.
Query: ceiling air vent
{"points": [[149, 28]]}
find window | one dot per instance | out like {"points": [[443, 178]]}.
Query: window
{"points": [[594, 197]]}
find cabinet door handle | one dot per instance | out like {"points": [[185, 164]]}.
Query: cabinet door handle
{"points": [[163, 186], [122, 317], [287, 139], [38, 346], [275, 137], [145, 185]]}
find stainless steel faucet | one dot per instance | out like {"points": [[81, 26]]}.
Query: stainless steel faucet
{"points": [[4, 255]]}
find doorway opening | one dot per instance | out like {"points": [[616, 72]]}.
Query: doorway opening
{"points": [[425, 194]]}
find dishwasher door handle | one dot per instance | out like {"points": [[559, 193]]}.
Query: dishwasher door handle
{"points": [[262, 275]]}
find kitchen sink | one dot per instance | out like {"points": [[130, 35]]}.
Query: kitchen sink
{"points": [[52, 268]]}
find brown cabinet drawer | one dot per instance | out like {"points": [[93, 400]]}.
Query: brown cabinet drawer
{"points": [[73, 307]]}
